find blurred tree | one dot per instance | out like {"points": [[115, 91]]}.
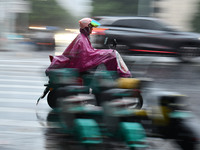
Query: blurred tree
{"points": [[49, 13], [115, 7], [196, 19]]}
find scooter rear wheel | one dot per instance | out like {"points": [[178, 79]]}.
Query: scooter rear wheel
{"points": [[139, 101], [113, 94]]}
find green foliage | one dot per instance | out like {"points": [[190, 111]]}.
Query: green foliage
{"points": [[48, 12], [114, 7], [196, 20]]}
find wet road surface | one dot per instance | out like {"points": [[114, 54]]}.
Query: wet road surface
{"points": [[25, 126]]}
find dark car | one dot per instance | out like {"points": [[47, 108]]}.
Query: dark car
{"points": [[43, 39], [145, 35]]}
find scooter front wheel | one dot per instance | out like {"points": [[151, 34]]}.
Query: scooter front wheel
{"points": [[52, 99]]}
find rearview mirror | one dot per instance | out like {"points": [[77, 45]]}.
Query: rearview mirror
{"points": [[111, 43]]}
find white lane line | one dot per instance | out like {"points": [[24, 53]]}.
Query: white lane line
{"points": [[15, 100], [22, 69], [31, 77], [23, 110], [30, 124], [20, 93], [27, 81], [46, 61], [21, 123], [20, 66], [22, 86], [3, 133], [23, 72], [24, 65], [28, 72]]}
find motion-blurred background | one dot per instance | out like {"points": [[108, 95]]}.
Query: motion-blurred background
{"points": [[31, 21]]}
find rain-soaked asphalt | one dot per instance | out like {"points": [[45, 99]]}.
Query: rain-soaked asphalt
{"points": [[23, 125]]}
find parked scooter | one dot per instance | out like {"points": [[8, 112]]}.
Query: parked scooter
{"points": [[170, 119], [178, 121], [92, 125], [117, 120]]}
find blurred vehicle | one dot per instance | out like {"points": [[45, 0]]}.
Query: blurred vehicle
{"points": [[146, 35], [43, 38]]}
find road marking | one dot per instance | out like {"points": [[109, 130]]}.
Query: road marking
{"points": [[22, 86], [3, 133], [21, 76], [20, 93], [21, 66], [15, 100], [24, 110], [27, 81], [42, 60], [28, 73], [21, 123], [23, 69], [32, 124]]}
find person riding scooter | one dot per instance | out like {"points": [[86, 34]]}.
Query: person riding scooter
{"points": [[81, 55]]}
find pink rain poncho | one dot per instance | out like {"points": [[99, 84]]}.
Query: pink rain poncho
{"points": [[80, 54]]}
